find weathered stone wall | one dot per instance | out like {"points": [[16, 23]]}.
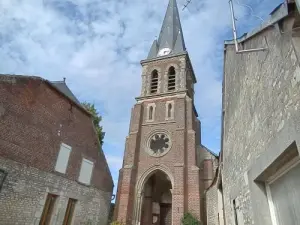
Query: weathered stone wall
{"points": [[210, 168], [261, 98], [212, 206], [24, 192]]}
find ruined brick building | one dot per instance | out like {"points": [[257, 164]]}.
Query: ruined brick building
{"points": [[52, 169], [166, 168], [258, 178]]}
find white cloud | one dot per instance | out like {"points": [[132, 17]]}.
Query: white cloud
{"points": [[97, 46], [114, 161]]}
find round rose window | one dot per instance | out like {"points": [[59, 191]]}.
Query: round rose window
{"points": [[158, 144]]}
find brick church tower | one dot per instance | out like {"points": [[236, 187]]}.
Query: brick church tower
{"points": [[161, 177]]}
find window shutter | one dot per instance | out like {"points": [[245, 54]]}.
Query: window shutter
{"points": [[285, 195], [86, 171], [63, 158], [298, 4]]}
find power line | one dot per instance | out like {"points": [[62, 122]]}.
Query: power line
{"points": [[250, 8], [186, 5]]}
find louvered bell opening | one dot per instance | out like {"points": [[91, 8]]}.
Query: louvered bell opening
{"points": [[171, 83], [154, 82], [171, 79]]}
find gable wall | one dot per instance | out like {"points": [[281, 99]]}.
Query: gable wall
{"points": [[261, 99], [35, 119]]}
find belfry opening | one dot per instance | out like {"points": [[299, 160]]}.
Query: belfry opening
{"points": [[157, 200]]}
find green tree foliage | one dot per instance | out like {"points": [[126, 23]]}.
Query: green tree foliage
{"points": [[96, 120], [189, 219], [116, 223]]}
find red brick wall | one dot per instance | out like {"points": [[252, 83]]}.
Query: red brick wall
{"points": [[35, 119], [181, 160]]}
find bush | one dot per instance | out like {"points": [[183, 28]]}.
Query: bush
{"points": [[116, 223], [189, 219]]}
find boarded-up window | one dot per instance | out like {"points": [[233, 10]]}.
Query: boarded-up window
{"points": [[284, 196], [86, 171], [298, 5], [69, 212], [63, 158], [48, 209]]}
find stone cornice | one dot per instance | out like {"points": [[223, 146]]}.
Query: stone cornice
{"points": [[163, 57], [162, 95], [158, 123]]}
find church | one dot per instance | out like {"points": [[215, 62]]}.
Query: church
{"points": [[166, 169]]}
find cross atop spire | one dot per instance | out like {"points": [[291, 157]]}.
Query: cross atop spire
{"points": [[170, 39]]}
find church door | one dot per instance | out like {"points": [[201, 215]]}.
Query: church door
{"points": [[165, 214]]}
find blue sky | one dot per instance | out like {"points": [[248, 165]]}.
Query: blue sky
{"points": [[98, 44]]}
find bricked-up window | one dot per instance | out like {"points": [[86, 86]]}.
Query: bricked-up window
{"points": [[69, 212], [48, 209], [154, 81], [86, 171], [63, 158], [171, 79]]}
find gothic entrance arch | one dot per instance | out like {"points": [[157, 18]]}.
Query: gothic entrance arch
{"points": [[153, 203]]}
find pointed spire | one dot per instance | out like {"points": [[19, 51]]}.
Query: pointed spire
{"points": [[170, 39], [153, 50]]}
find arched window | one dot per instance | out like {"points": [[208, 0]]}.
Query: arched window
{"points": [[154, 81], [169, 110], [150, 113], [171, 79]]}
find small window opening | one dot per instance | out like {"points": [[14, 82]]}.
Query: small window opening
{"points": [[48, 210], [154, 82], [170, 110], [171, 79], [235, 212], [69, 212], [151, 113]]}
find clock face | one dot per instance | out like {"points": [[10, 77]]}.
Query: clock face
{"points": [[164, 51], [158, 144]]}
